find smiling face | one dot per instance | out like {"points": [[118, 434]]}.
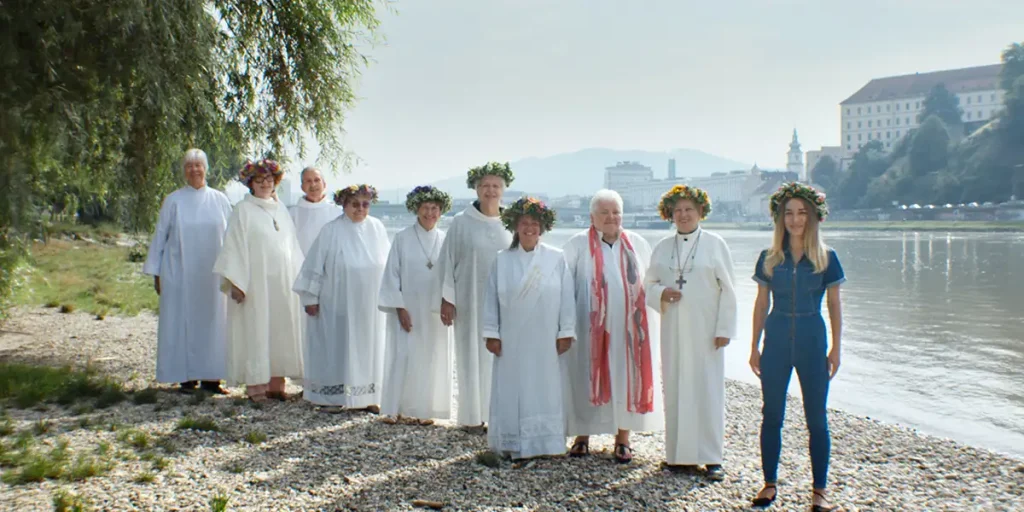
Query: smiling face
{"points": [[262, 185], [195, 173], [798, 217], [427, 214], [313, 185], [528, 229], [686, 215], [489, 189], [607, 218], [357, 207]]}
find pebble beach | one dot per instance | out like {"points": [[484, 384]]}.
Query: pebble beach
{"points": [[288, 456]]}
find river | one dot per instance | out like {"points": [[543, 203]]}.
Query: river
{"points": [[933, 331]]}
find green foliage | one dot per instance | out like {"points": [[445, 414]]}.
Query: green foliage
{"points": [[99, 100], [942, 104], [27, 385], [826, 174], [1013, 66]]}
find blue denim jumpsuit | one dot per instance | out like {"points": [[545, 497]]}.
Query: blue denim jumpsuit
{"points": [[795, 337]]}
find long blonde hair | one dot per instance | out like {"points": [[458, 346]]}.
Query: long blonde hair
{"points": [[814, 247]]}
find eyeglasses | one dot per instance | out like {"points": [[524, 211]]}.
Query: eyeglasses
{"points": [[357, 204], [263, 179]]}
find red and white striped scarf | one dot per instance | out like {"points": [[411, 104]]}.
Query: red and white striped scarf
{"points": [[639, 375]]}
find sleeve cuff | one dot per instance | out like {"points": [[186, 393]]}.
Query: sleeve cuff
{"points": [[758, 280], [569, 333], [839, 281], [491, 334]]}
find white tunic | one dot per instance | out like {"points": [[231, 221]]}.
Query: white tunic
{"points": [[344, 348], [193, 312], [694, 371], [583, 418], [469, 249], [528, 305], [310, 218], [264, 331], [417, 371]]}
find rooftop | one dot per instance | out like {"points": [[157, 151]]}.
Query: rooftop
{"points": [[979, 78]]}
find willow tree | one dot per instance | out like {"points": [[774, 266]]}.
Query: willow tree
{"points": [[98, 100]]}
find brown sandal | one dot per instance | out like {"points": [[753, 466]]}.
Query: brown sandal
{"points": [[279, 396], [580, 449], [623, 453], [825, 508]]}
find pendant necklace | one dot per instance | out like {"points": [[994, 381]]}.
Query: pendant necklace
{"points": [[430, 264], [690, 256]]}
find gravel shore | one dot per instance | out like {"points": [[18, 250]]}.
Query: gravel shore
{"points": [[352, 461]]}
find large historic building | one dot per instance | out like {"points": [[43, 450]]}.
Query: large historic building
{"points": [[887, 108]]}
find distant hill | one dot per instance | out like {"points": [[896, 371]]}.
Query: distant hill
{"points": [[582, 172]]}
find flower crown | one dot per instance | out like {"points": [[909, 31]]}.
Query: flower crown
{"points": [[528, 206], [503, 171], [251, 169], [790, 190], [343, 194], [428, 194], [678, 192]]}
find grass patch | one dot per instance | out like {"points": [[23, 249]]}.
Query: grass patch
{"points": [[135, 438], [145, 396], [255, 437], [95, 278], [27, 463], [219, 503], [29, 385], [146, 477], [64, 501], [200, 424]]}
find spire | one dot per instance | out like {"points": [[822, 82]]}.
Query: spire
{"points": [[795, 144]]}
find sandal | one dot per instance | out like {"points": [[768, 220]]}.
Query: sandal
{"points": [[279, 396], [258, 399], [425, 423], [762, 502], [373, 409], [580, 449], [389, 420], [824, 508], [623, 453]]}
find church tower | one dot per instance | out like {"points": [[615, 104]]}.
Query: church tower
{"points": [[795, 159]]}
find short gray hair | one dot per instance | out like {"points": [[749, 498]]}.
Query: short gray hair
{"points": [[604, 195], [195, 155], [302, 175]]}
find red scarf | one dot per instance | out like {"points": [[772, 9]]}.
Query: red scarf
{"points": [[639, 375]]}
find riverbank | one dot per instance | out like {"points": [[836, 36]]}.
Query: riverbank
{"points": [[287, 456], [910, 225]]}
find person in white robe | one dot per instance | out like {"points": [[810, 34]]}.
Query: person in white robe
{"points": [[418, 367], [193, 313], [339, 287], [614, 353], [472, 242], [258, 264], [314, 210], [691, 283], [529, 322]]}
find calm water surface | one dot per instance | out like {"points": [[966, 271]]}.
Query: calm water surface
{"points": [[933, 331]]}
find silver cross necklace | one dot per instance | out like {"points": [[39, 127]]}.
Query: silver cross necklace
{"points": [[690, 256], [426, 254]]}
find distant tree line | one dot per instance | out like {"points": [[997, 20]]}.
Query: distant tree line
{"points": [[938, 162]]}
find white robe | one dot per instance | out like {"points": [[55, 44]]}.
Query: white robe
{"points": [[310, 218], [582, 417], [344, 348], [193, 312], [528, 305], [417, 371], [264, 331], [469, 249], [694, 371]]}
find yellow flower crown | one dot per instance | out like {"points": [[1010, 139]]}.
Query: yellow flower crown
{"points": [[678, 192]]}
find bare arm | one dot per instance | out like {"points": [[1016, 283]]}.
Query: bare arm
{"points": [[760, 313], [835, 316]]}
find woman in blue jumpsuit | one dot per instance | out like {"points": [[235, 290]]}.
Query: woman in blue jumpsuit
{"points": [[798, 271]]}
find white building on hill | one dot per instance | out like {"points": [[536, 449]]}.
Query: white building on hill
{"points": [[887, 108]]}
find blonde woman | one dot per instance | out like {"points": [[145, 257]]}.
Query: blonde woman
{"points": [[798, 271]]}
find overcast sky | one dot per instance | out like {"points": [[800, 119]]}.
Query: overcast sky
{"points": [[461, 82]]}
